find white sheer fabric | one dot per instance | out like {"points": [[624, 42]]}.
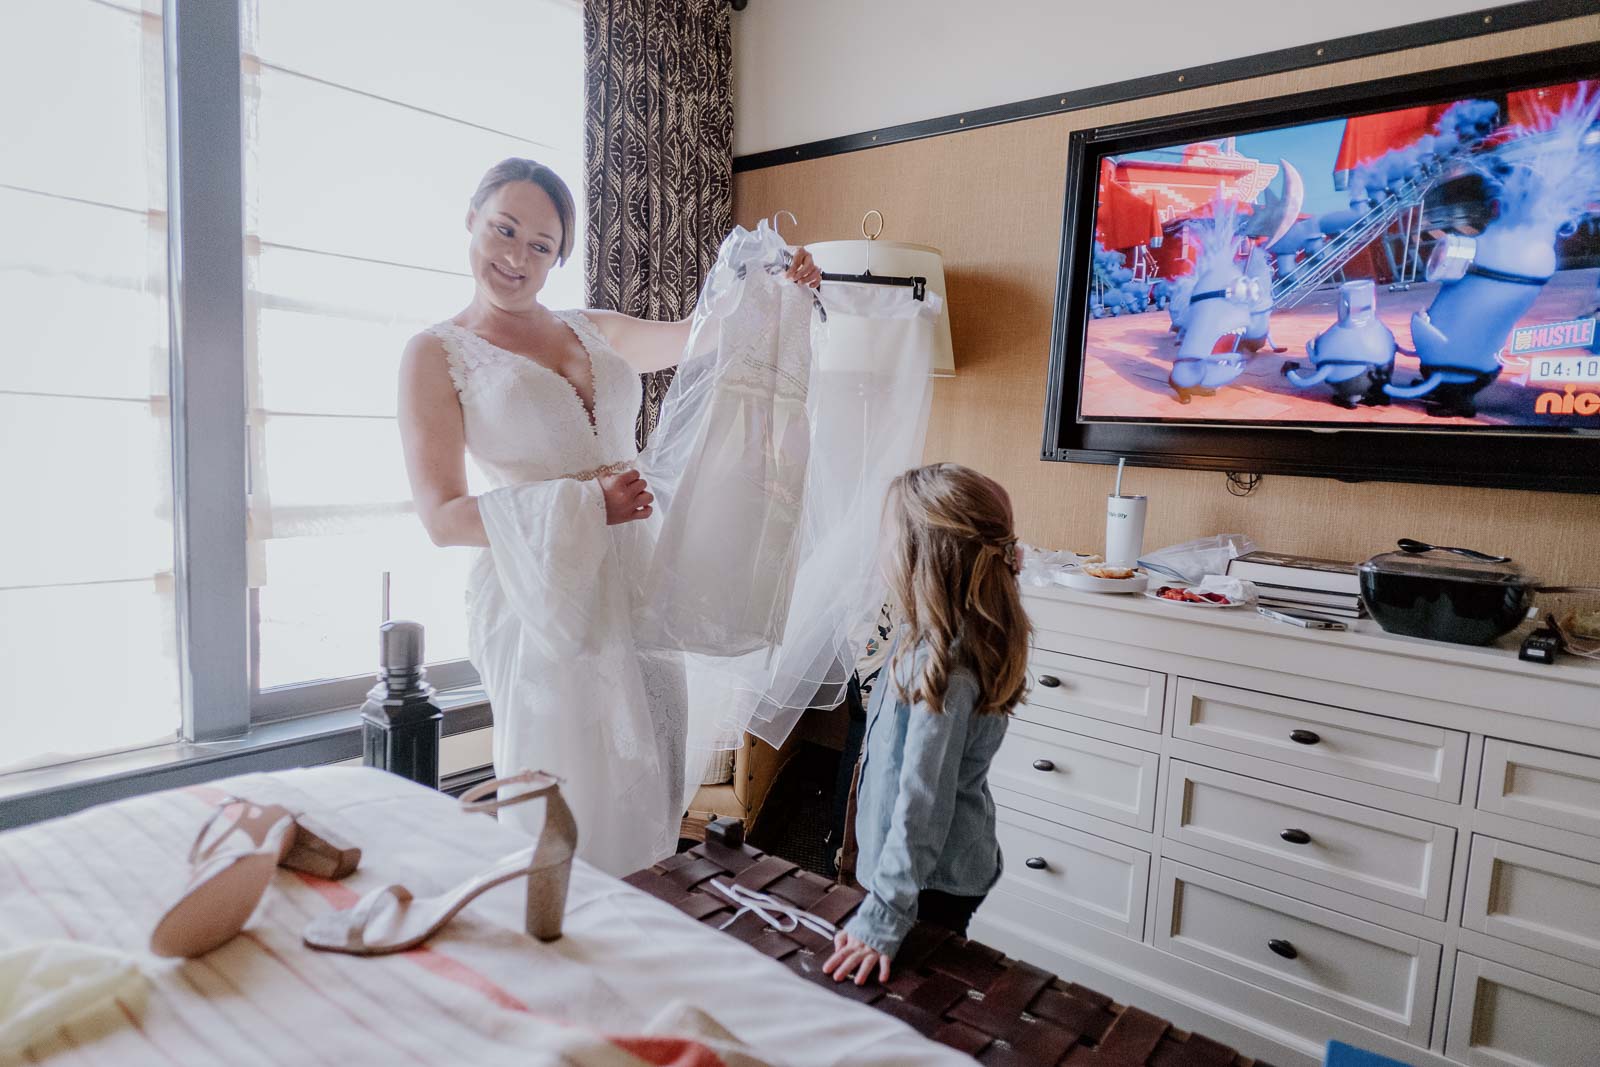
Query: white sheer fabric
{"points": [[728, 461], [332, 297], [775, 448], [748, 589], [548, 604], [86, 556]]}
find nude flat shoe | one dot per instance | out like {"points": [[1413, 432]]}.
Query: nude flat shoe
{"points": [[390, 919], [228, 883]]}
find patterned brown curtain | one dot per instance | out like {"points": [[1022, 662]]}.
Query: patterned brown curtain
{"points": [[658, 157]]}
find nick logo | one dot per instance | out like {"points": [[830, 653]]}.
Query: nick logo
{"points": [[1569, 403]]}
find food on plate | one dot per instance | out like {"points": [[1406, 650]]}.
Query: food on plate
{"points": [[1583, 624], [1189, 596], [1102, 571]]}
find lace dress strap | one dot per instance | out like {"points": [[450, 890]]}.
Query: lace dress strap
{"points": [[588, 333], [464, 352]]}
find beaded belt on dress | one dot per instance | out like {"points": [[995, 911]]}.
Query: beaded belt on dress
{"points": [[599, 472]]}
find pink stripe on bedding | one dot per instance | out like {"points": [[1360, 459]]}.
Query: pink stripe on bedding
{"points": [[656, 1051], [483, 992], [667, 1051], [428, 959]]}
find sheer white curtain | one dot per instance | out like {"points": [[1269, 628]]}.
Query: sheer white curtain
{"points": [[367, 128], [87, 626]]}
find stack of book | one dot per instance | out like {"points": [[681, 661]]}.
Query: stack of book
{"points": [[1299, 583]]}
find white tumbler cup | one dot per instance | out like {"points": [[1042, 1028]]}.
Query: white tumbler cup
{"points": [[1124, 530]]}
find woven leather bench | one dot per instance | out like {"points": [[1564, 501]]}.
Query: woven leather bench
{"points": [[1000, 1011]]}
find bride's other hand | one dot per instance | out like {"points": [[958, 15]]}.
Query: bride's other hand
{"points": [[804, 270], [628, 498]]}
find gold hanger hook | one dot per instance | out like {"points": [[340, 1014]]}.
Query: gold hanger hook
{"points": [[776, 215], [873, 236]]}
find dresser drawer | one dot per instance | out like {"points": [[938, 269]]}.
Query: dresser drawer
{"points": [[1425, 760], [1111, 781], [1375, 854], [1541, 785], [1354, 969], [1126, 696], [1089, 878], [1503, 1017], [1534, 898]]}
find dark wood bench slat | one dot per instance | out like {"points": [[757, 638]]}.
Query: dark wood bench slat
{"points": [[961, 993]]}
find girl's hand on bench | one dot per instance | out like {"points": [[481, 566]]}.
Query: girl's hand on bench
{"points": [[851, 955]]}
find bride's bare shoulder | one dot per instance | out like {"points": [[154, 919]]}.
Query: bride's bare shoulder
{"points": [[428, 342], [426, 360], [603, 320]]}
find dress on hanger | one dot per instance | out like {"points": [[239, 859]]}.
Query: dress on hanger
{"points": [[790, 415]]}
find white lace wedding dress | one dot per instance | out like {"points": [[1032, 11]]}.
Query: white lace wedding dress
{"points": [[769, 467], [549, 604]]}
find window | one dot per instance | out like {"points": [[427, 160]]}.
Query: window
{"points": [[363, 142], [87, 629], [134, 419]]}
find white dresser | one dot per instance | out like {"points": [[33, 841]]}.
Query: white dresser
{"points": [[1277, 837]]}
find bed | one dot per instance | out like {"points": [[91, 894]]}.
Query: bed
{"points": [[483, 992]]}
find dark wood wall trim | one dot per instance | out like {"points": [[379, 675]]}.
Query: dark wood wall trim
{"points": [[1341, 49]]}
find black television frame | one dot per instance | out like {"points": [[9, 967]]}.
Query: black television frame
{"points": [[1559, 462]]}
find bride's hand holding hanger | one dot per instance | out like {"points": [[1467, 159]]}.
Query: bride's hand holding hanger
{"points": [[804, 270], [650, 345]]}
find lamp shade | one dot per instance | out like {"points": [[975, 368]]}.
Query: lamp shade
{"points": [[894, 258]]}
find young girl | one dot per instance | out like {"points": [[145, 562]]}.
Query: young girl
{"points": [[925, 819]]}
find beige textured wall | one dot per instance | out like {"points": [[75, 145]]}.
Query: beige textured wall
{"points": [[991, 199], [804, 70]]}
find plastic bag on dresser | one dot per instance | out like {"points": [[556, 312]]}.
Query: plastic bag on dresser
{"points": [[1193, 560], [1042, 566]]}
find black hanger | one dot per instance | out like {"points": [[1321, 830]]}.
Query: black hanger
{"points": [[918, 284]]}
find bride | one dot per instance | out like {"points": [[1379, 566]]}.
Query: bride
{"points": [[546, 402]]}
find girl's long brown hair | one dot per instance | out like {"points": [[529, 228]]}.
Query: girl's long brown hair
{"points": [[952, 570]]}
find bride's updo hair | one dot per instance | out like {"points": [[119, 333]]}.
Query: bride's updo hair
{"points": [[526, 170]]}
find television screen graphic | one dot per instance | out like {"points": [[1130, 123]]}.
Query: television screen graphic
{"points": [[1436, 267]]}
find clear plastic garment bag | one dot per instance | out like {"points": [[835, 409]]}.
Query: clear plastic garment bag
{"points": [[790, 414]]}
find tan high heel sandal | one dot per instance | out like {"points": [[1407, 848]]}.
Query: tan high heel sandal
{"points": [[390, 919], [227, 884], [311, 846]]}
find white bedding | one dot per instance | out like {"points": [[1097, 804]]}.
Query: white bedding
{"points": [[482, 993]]}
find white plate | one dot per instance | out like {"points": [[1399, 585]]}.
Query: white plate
{"points": [[1153, 595], [1090, 584]]}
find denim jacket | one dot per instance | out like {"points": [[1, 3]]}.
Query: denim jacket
{"points": [[924, 816]]}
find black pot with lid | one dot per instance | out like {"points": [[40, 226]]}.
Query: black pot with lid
{"points": [[1445, 594]]}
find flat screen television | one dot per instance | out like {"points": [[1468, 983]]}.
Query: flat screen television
{"points": [[1395, 280]]}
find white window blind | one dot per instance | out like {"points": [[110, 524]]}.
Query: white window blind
{"points": [[87, 628], [366, 130]]}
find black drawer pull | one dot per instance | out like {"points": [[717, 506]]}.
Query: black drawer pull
{"points": [[1043, 765], [1296, 837], [1049, 681], [1283, 948], [1304, 737], [1036, 863]]}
